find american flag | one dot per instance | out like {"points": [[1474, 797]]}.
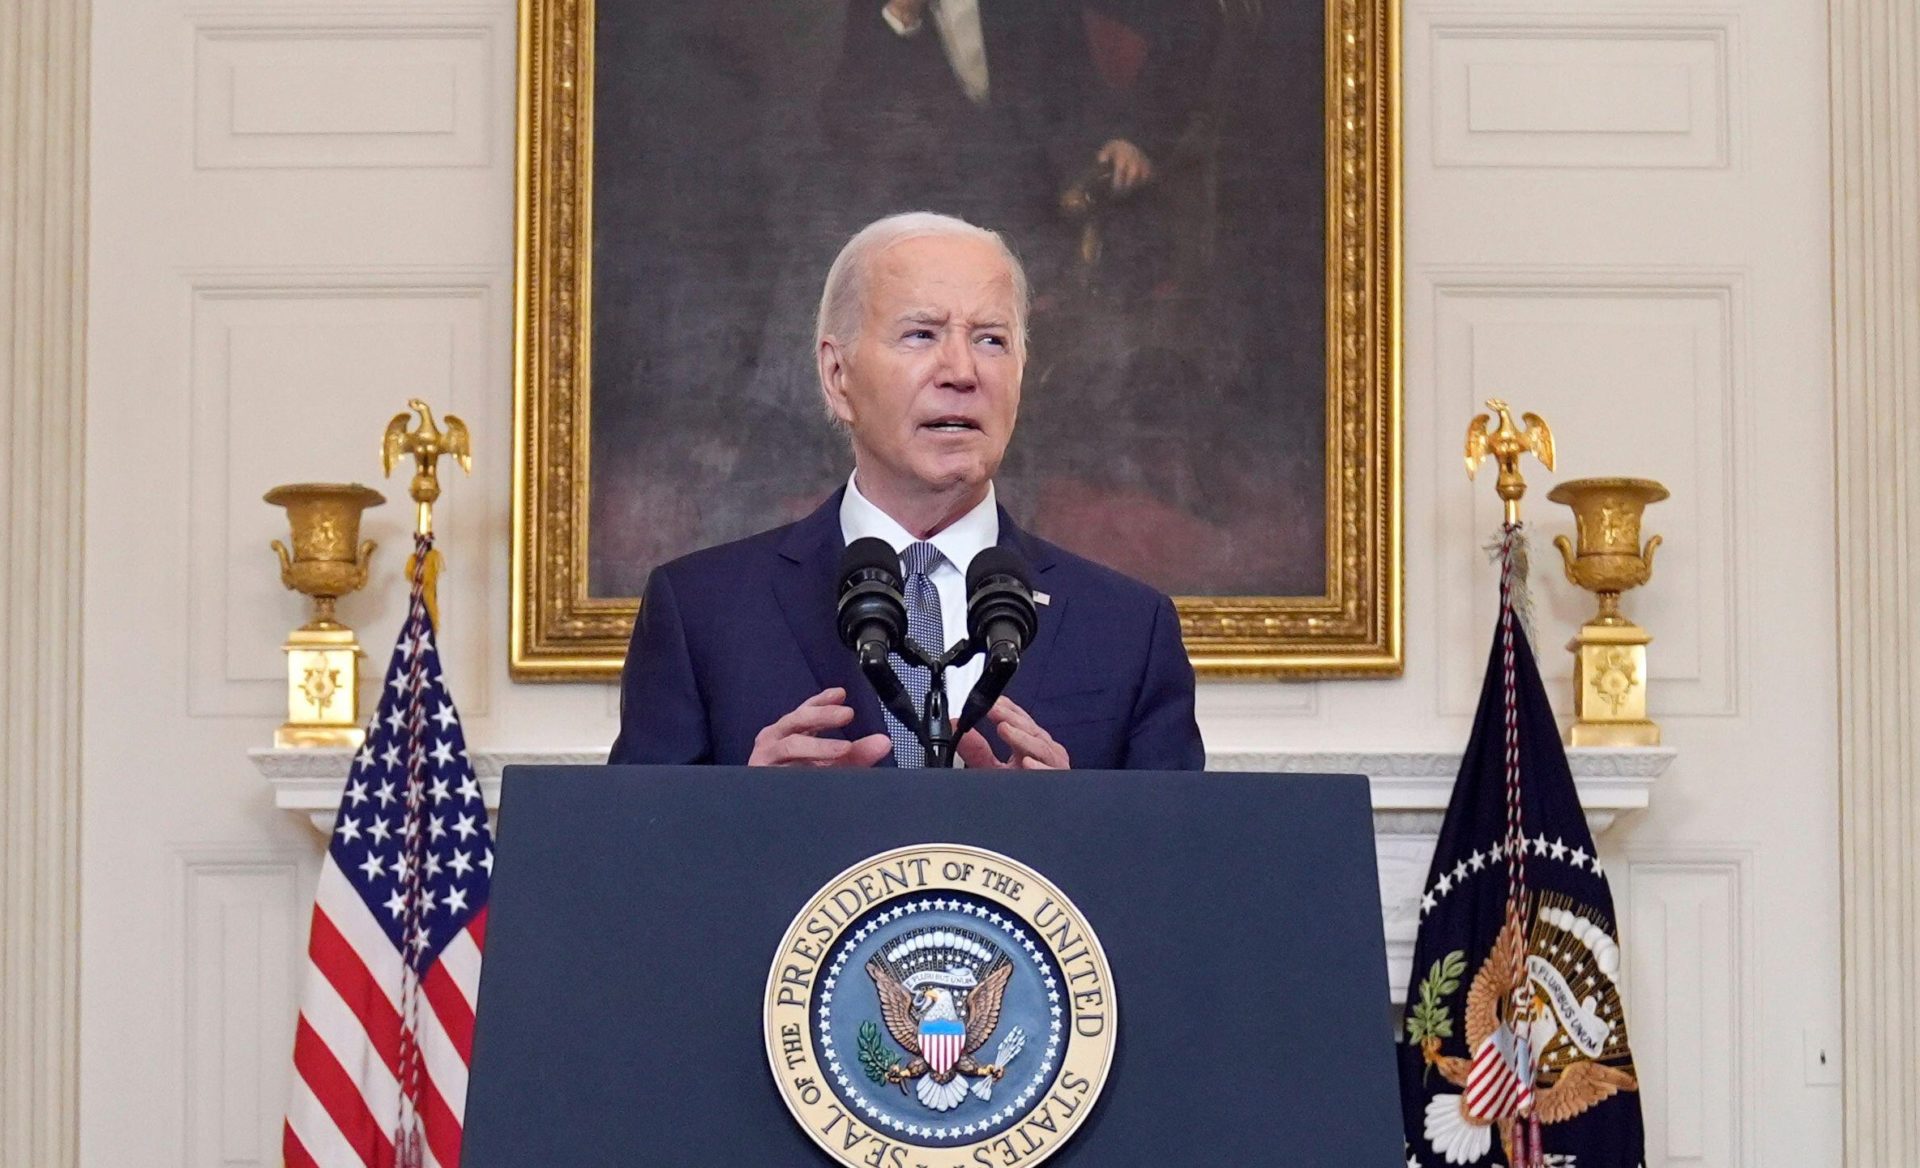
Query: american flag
{"points": [[386, 1018]]}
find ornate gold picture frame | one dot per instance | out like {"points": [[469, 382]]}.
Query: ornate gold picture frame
{"points": [[563, 630]]}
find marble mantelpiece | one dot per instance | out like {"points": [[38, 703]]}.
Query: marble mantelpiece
{"points": [[1410, 790]]}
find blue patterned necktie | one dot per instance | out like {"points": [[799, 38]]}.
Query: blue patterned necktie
{"points": [[925, 627]]}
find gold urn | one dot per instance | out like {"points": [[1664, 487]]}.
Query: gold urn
{"points": [[1610, 651], [328, 560]]}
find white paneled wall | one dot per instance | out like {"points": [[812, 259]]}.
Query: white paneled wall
{"points": [[321, 93], [240, 936], [1693, 1010], [1616, 216], [275, 359], [1529, 90], [1641, 369]]}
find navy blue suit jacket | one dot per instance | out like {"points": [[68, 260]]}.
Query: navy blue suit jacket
{"points": [[732, 638]]}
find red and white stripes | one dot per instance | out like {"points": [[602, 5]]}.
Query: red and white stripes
{"points": [[347, 1050], [1495, 1086]]}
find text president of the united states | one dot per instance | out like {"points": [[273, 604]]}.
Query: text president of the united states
{"points": [[921, 343]]}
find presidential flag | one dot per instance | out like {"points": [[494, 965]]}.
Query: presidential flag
{"points": [[386, 1017], [1516, 1048]]}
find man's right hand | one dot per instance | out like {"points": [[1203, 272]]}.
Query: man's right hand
{"points": [[794, 739]]}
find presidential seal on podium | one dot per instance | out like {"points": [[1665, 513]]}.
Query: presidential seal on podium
{"points": [[940, 1006]]}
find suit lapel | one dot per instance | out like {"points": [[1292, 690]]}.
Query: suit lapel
{"points": [[807, 593], [1049, 616]]}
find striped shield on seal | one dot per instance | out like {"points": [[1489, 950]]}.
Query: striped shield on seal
{"points": [[941, 1043], [1500, 1085]]}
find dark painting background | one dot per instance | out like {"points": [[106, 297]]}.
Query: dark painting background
{"points": [[1173, 423]]}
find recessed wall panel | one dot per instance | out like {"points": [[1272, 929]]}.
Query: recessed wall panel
{"points": [[1686, 1005], [352, 96], [294, 380], [1529, 92], [1636, 374], [239, 977]]}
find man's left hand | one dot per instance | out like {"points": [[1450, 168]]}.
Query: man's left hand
{"points": [[1033, 748]]}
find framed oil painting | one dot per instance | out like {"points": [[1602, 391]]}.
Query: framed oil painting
{"points": [[1204, 194]]}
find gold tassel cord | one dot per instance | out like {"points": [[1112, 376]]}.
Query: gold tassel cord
{"points": [[431, 584]]}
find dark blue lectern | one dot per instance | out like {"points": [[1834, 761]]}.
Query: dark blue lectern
{"points": [[636, 912]]}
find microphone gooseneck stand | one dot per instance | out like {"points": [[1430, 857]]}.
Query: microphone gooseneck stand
{"points": [[937, 734], [872, 620]]}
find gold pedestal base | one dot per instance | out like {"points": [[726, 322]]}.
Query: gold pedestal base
{"points": [[323, 689], [1613, 734], [292, 737], [1610, 686]]}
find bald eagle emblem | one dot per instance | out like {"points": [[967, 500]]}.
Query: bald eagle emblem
{"points": [[940, 995], [1565, 1053]]}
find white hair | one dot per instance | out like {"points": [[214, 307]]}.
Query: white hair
{"points": [[843, 301]]}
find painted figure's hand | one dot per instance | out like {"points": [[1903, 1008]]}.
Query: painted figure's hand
{"points": [[907, 14], [795, 739], [1131, 166]]}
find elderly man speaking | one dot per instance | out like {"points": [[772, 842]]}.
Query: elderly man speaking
{"points": [[736, 657]]}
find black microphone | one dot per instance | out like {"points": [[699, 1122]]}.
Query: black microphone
{"points": [[1001, 619], [1000, 612], [872, 615], [872, 620]]}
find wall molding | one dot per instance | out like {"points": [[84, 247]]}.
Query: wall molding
{"points": [[1700, 1008], [214, 688], [239, 955], [1721, 455], [43, 261], [1875, 142], [1698, 45], [359, 125], [1410, 787]]}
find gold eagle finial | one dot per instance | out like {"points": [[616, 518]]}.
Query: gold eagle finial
{"points": [[1506, 443], [426, 444]]}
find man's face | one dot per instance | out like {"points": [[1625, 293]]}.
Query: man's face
{"points": [[931, 386]]}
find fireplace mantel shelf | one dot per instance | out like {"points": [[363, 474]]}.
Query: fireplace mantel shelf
{"points": [[1410, 787]]}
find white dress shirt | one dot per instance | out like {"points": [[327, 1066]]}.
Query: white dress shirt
{"points": [[958, 542], [959, 25]]}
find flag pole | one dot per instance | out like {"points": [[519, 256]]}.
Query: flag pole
{"points": [[426, 443], [1506, 443]]}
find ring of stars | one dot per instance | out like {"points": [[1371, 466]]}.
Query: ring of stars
{"points": [[1537, 848], [848, 1076]]}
